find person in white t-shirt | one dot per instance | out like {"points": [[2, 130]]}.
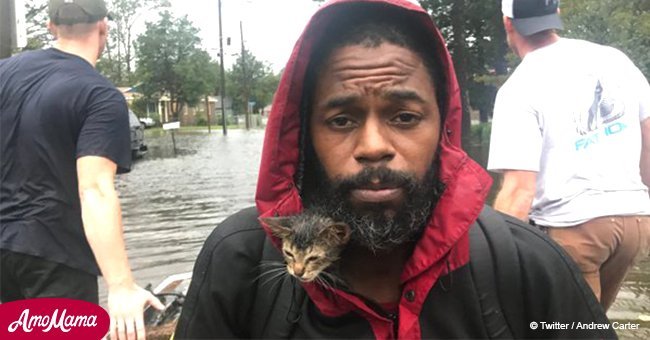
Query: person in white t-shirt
{"points": [[571, 138]]}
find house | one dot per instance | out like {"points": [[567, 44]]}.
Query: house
{"points": [[196, 115]]}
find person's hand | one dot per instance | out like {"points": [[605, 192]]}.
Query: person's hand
{"points": [[126, 309]]}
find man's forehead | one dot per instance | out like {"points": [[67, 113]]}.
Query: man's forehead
{"points": [[387, 70], [384, 54]]}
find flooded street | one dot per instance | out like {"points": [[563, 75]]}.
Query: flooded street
{"points": [[171, 203]]}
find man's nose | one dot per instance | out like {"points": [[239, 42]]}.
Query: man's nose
{"points": [[373, 143]]}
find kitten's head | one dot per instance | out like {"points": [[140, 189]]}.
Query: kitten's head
{"points": [[310, 244]]}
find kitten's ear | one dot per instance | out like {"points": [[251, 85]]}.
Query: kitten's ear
{"points": [[279, 226], [337, 233]]}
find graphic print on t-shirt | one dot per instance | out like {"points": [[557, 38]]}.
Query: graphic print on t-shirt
{"points": [[600, 120]]}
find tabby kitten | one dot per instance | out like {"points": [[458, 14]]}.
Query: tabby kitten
{"points": [[311, 242]]}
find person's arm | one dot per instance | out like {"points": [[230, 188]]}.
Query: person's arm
{"points": [[516, 194], [516, 145], [102, 220], [645, 152]]}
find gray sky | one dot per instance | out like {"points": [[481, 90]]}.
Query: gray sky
{"points": [[271, 27]]}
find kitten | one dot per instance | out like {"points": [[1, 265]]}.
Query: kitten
{"points": [[311, 243]]}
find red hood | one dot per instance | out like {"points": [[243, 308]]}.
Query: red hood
{"points": [[445, 242]]}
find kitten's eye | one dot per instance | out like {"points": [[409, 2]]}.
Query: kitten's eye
{"points": [[311, 259], [288, 254]]}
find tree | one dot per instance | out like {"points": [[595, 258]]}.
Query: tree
{"points": [[250, 80], [36, 18], [489, 53], [117, 61], [621, 24], [171, 63], [476, 40]]}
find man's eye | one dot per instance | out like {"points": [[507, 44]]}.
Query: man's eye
{"points": [[406, 118], [340, 122]]}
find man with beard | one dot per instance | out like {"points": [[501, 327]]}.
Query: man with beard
{"points": [[365, 126]]}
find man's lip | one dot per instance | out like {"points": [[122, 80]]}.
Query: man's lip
{"points": [[376, 195]]}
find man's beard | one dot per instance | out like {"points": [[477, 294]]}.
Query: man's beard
{"points": [[372, 226]]}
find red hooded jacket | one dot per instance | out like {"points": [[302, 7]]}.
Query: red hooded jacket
{"points": [[229, 296], [445, 240]]}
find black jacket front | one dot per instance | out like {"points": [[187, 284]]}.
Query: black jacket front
{"points": [[229, 285]]}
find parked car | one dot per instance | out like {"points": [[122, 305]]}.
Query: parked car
{"points": [[148, 122], [138, 148]]}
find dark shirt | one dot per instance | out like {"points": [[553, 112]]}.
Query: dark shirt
{"points": [[54, 108]]}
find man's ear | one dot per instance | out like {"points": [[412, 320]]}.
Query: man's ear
{"points": [[507, 24], [102, 26], [336, 234], [279, 226], [52, 28]]}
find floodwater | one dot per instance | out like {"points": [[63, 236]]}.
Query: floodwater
{"points": [[171, 203]]}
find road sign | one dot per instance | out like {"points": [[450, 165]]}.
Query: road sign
{"points": [[172, 126]]}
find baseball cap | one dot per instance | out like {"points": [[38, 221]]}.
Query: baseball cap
{"points": [[532, 16], [69, 12]]}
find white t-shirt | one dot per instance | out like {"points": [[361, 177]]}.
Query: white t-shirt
{"points": [[571, 111]]}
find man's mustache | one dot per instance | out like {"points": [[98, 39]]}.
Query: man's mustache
{"points": [[376, 178]]}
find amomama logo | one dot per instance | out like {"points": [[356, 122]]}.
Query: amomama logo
{"points": [[52, 318]]}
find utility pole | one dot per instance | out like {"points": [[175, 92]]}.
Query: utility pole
{"points": [[223, 76], [246, 84], [207, 111], [7, 27]]}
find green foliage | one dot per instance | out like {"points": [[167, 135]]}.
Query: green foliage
{"points": [[171, 63], [621, 24], [108, 68], [477, 43], [197, 74], [230, 120], [201, 122], [250, 80], [36, 19], [118, 59], [139, 106], [480, 134]]}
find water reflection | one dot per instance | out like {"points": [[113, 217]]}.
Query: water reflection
{"points": [[171, 203]]}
